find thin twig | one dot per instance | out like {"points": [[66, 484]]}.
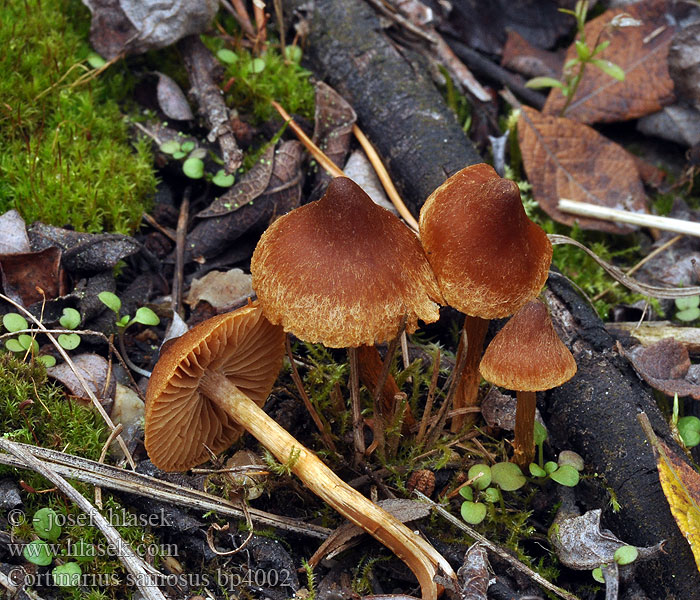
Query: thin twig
{"points": [[131, 561], [78, 375], [115, 432], [503, 554], [236, 8], [166, 231]]}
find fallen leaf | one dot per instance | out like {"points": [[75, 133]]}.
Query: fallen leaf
{"points": [[135, 26], [473, 576], [639, 51], [253, 183], [221, 289], [684, 64], [13, 233], [22, 273], [665, 366], [360, 170], [567, 159], [676, 123], [681, 486], [333, 121], [172, 100], [94, 369], [521, 56]]}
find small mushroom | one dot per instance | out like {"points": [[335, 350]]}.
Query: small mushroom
{"points": [[488, 257], [209, 385], [527, 356]]}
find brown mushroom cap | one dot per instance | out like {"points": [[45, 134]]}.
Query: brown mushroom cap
{"points": [[489, 258], [343, 271], [180, 421], [527, 354]]}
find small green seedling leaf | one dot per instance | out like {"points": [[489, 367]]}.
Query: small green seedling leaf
{"points": [[170, 147], [187, 146], [540, 434], [473, 512], [689, 314], [481, 474], [47, 360], [222, 179], [689, 430], [193, 168], [69, 341], [571, 458], [625, 555], [544, 82], [124, 321], [583, 51], [600, 47], [227, 56], [508, 476], [146, 316], [111, 301], [550, 466], [13, 345], [598, 575], [28, 342], [466, 492], [45, 523], [687, 302], [491, 495], [293, 53], [536, 470], [179, 154], [257, 65], [14, 322], [565, 475], [95, 60], [70, 318], [609, 68], [38, 553], [67, 575]]}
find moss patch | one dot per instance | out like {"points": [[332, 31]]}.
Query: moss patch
{"points": [[65, 157]]}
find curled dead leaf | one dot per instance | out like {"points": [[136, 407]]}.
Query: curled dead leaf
{"points": [[567, 159]]}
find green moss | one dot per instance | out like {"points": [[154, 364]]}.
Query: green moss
{"points": [[66, 157]]}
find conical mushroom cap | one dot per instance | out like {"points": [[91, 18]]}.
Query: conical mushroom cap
{"points": [[527, 354], [343, 271], [180, 420], [489, 258]]}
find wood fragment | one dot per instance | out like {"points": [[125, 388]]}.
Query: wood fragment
{"points": [[650, 332]]}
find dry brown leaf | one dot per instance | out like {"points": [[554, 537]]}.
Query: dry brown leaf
{"points": [[567, 159], [521, 56], [333, 123], [640, 51]]}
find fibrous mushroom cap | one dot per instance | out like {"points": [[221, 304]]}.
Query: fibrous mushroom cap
{"points": [[181, 422], [343, 271], [489, 258], [527, 354]]}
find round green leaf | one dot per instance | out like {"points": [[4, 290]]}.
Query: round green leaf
{"points": [[481, 474], [110, 300], [257, 65], [28, 342], [193, 168], [571, 458], [222, 179], [550, 466], [540, 434], [491, 495], [188, 146], [47, 360], [70, 318], [146, 316], [179, 154], [13, 345], [292, 53], [95, 60], [565, 475], [38, 552], [536, 470], [227, 56], [170, 147], [598, 575], [687, 302], [466, 492], [473, 512], [67, 575], [69, 341], [507, 476], [625, 555], [689, 430], [14, 322], [45, 523], [689, 314]]}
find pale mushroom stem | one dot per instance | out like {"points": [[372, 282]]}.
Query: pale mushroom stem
{"points": [[467, 394], [524, 442], [418, 554], [357, 421]]}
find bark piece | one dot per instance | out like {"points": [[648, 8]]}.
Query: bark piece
{"points": [[567, 159], [594, 414], [397, 106], [641, 53]]}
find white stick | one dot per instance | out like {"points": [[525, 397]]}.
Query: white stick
{"points": [[623, 216]]}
